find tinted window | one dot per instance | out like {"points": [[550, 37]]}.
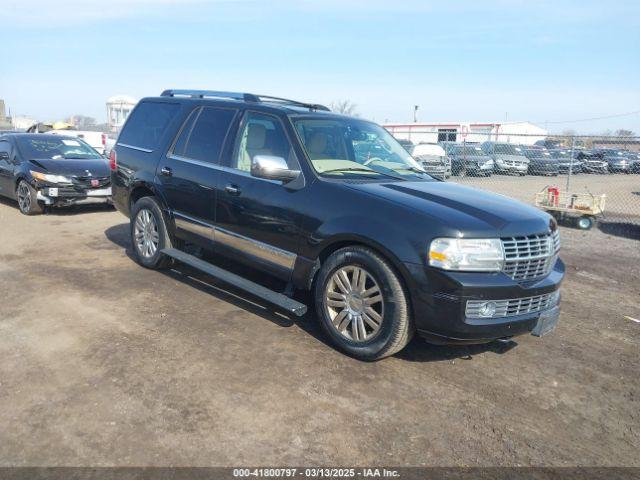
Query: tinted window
{"points": [[55, 147], [5, 146], [147, 123], [208, 134], [185, 131], [262, 135]]}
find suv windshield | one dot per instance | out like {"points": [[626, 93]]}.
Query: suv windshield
{"points": [[56, 148], [345, 146], [505, 149], [467, 151]]}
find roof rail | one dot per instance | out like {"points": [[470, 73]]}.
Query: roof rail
{"points": [[245, 97]]}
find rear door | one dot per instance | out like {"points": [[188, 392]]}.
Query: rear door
{"points": [[6, 168], [189, 173]]}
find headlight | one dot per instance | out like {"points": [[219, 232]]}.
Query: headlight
{"points": [[467, 255], [46, 177]]}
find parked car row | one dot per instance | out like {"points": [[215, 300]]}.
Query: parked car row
{"points": [[485, 159]]}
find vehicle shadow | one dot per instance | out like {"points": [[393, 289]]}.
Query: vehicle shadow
{"points": [[620, 229], [420, 351], [65, 211], [417, 350]]}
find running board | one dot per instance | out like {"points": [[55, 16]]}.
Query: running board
{"points": [[274, 298]]}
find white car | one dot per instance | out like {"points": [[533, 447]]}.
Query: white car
{"points": [[433, 159], [95, 139]]}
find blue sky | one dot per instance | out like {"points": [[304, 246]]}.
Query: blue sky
{"points": [[542, 61]]}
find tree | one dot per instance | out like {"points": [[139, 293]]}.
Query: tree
{"points": [[345, 107], [624, 133], [81, 122]]}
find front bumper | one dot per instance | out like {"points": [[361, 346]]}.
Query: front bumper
{"points": [[509, 168], [439, 300], [544, 168], [65, 195], [620, 167]]}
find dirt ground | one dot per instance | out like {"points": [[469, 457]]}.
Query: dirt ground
{"points": [[105, 363]]}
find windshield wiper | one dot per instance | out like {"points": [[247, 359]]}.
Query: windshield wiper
{"points": [[356, 169]]}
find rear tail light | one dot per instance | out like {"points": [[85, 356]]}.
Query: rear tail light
{"points": [[113, 163], [104, 139]]}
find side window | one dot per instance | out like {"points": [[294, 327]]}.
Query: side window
{"points": [[147, 123], [5, 147], [208, 134], [261, 135], [185, 132]]}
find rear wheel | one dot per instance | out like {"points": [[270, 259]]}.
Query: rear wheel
{"points": [[149, 234], [362, 305], [27, 199], [586, 222]]}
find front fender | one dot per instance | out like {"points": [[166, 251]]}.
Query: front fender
{"points": [[394, 244]]}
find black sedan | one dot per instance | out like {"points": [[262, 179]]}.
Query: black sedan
{"points": [[567, 162], [593, 161], [469, 159], [541, 161], [41, 170], [618, 161]]}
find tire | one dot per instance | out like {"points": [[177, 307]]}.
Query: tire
{"points": [[585, 222], [27, 199], [395, 327], [149, 235]]}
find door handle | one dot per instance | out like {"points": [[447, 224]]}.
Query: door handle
{"points": [[232, 190], [166, 171]]}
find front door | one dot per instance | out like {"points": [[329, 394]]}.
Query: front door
{"points": [[256, 219], [6, 169], [190, 170]]}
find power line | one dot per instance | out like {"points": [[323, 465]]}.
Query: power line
{"points": [[628, 114]]}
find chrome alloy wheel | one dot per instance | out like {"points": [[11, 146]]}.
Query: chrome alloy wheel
{"points": [[24, 197], [146, 233], [354, 303]]}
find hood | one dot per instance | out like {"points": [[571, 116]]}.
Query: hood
{"points": [[97, 167], [515, 158], [474, 158], [464, 210]]}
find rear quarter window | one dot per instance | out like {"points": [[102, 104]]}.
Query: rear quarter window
{"points": [[147, 124]]}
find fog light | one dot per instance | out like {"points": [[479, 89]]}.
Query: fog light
{"points": [[488, 309]]}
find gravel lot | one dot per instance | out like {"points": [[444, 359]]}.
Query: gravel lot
{"points": [[106, 363], [622, 191]]}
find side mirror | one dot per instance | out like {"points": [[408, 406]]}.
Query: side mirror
{"points": [[272, 168]]}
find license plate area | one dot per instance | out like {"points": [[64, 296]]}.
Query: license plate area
{"points": [[102, 192], [546, 322]]}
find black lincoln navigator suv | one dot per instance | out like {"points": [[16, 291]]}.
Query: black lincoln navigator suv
{"points": [[334, 205]]}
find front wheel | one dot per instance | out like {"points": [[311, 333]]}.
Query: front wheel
{"points": [[27, 199], [149, 234], [362, 305]]}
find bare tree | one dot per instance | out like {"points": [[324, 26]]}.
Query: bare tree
{"points": [[81, 122], [345, 107], [624, 133]]}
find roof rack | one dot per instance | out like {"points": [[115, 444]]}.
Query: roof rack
{"points": [[245, 97]]}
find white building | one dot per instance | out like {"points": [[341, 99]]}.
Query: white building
{"points": [[118, 109], [23, 122], [524, 133]]}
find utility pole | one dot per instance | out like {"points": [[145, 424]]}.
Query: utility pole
{"points": [[415, 113], [573, 147]]}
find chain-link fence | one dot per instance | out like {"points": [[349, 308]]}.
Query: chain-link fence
{"points": [[585, 181]]}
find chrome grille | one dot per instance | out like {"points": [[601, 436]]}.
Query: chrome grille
{"points": [[514, 306], [530, 257], [84, 182]]}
